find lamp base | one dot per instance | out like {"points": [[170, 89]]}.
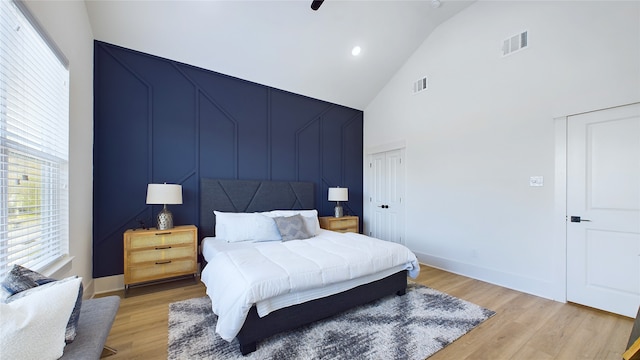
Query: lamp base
{"points": [[164, 219], [337, 211]]}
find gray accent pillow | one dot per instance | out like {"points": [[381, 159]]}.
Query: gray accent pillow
{"points": [[292, 228], [19, 282], [20, 279]]}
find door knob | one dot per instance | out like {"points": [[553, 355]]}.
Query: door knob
{"points": [[577, 219]]}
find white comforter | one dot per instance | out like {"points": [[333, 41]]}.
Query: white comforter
{"points": [[239, 278]]}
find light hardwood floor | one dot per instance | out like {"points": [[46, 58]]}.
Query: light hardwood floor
{"points": [[525, 326]]}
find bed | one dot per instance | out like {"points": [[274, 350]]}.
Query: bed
{"points": [[338, 283]]}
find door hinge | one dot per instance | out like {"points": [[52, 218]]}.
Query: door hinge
{"points": [[370, 165], [370, 199]]}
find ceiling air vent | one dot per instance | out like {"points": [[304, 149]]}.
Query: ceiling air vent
{"points": [[515, 43], [420, 85]]}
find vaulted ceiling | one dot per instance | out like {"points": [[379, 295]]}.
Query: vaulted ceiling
{"points": [[283, 44]]}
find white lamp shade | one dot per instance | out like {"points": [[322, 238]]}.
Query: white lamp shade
{"points": [[164, 194], [338, 194]]}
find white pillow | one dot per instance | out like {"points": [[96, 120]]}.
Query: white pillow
{"points": [[235, 227], [310, 218], [33, 327]]}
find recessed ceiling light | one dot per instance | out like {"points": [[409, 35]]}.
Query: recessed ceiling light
{"points": [[356, 51]]}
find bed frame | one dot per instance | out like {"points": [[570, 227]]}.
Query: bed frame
{"points": [[258, 196]]}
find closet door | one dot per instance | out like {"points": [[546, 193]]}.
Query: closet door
{"points": [[603, 205], [386, 192]]}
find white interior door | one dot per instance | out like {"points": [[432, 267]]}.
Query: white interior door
{"points": [[386, 174], [603, 209]]}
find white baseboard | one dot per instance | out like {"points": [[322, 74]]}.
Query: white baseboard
{"points": [[109, 284], [537, 287], [89, 290]]}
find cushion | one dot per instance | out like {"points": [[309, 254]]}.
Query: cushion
{"points": [[19, 277], [33, 326], [310, 218], [292, 227], [235, 227]]}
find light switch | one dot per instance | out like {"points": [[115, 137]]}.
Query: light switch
{"points": [[536, 181]]}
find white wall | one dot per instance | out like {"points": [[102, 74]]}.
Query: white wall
{"points": [[486, 125], [67, 23]]}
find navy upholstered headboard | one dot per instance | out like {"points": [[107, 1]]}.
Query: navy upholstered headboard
{"points": [[250, 196]]}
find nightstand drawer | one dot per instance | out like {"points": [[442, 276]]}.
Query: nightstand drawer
{"points": [[161, 269], [341, 224], [158, 239], [161, 252]]}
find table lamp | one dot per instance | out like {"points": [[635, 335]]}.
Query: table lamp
{"points": [[163, 194], [338, 194]]}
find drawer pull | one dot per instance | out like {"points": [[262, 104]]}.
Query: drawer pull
{"points": [[163, 233], [163, 262], [163, 247]]}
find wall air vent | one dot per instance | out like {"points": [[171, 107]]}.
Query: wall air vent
{"points": [[515, 43], [420, 85]]}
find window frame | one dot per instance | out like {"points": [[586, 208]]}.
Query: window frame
{"points": [[52, 194]]}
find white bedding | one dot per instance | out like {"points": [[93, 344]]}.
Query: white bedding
{"points": [[276, 274]]}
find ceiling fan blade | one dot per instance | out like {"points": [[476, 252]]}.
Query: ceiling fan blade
{"points": [[315, 4]]}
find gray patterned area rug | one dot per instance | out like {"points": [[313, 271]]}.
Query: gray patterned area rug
{"points": [[413, 326]]}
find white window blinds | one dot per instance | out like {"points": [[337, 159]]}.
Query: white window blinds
{"points": [[34, 128]]}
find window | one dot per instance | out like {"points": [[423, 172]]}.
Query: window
{"points": [[34, 124]]}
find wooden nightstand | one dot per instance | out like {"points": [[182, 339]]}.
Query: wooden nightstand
{"points": [[341, 224], [151, 254]]}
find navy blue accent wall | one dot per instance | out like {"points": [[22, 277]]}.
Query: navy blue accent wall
{"points": [[158, 120]]}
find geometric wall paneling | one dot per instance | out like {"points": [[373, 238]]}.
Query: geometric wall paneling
{"points": [[157, 120]]}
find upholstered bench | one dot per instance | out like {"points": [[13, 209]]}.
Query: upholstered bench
{"points": [[96, 317]]}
